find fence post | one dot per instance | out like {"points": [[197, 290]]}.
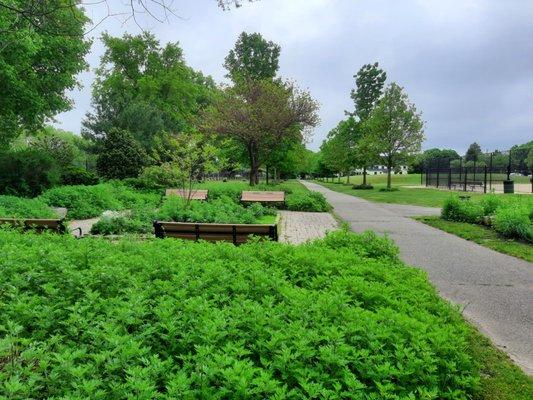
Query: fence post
{"points": [[438, 172], [509, 167], [460, 169], [474, 170], [466, 174], [490, 173], [485, 181]]}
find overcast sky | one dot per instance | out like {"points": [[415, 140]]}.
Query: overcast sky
{"points": [[467, 65]]}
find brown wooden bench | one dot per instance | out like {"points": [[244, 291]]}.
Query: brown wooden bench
{"points": [[263, 197], [236, 233], [195, 194], [36, 224]]}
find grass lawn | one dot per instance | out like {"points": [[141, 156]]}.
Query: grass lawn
{"points": [[482, 235], [421, 197]]}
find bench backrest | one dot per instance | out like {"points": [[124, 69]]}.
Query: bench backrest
{"points": [[37, 224], [195, 194], [263, 197], [236, 233]]}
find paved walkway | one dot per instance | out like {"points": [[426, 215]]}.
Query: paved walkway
{"points": [[494, 290], [299, 227]]}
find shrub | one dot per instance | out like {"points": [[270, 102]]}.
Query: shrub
{"points": [[219, 210], [162, 176], [514, 222], [458, 210], [307, 201], [363, 187], [27, 172], [90, 201], [140, 222], [78, 176], [391, 189], [121, 156], [170, 319], [490, 203], [16, 207]]}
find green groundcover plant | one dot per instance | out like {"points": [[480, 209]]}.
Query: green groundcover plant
{"points": [[90, 201], [19, 207], [510, 216], [340, 318]]}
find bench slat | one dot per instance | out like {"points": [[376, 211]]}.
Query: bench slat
{"points": [[38, 224]]}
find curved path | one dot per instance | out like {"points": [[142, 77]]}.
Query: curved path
{"points": [[494, 290]]}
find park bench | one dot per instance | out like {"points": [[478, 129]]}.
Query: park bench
{"points": [[195, 194], [263, 197], [36, 224], [236, 233]]}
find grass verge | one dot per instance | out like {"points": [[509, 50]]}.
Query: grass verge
{"points": [[482, 235]]}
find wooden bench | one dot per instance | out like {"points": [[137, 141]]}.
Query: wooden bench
{"points": [[36, 224], [195, 194], [263, 197], [236, 233]]}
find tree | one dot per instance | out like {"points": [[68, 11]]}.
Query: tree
{"points": [[431, 156], [252, 58], [369, 81], [120, 156], [339, 148], [395, 128], [473, 153], [39, 61], [147, 90], [260, 115]]}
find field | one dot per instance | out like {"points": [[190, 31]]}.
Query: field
{"points": [[339, 318]]}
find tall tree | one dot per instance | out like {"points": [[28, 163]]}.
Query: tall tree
{"points": [[259, 115], [395, 128], [369, 81], [253, 57], [147, 90], [39, 61], [474, 152]]}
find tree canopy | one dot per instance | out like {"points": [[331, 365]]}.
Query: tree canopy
{"points": [[146, 89], [39, 60]]}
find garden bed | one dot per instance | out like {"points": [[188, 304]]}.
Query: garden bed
{"points": [[173, 319]]}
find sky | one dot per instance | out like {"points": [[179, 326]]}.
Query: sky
{"points": [[466, 64]]}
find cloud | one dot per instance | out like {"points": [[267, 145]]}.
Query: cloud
{"points": [[466, 64]]}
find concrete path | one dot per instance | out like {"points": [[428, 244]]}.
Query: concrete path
{"points": [[300, 227], [494, 290], [84, 224]]}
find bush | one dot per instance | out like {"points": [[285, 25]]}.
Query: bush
{"points": [[490, 204], [16, 207], [27, 172], [160, 176], [137, 222], [363, 187], [170, 319], [391, 189], [219, 210], [90, 201], [514, 222], [458, 210], [307, 201], [121, 156], [78, 176]]}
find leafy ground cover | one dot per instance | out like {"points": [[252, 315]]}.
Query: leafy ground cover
{"points": [[90, 201], [339, 318], [482, 235], [20, 207]]}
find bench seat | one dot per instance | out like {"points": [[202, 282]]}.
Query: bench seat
{"points": [[195, 194], [236, 233], [36, 224], [263, 197]]}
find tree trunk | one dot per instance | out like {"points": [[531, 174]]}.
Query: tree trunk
{"points": [[364, 175], [348, 177], [254, 165], [266, 174]]}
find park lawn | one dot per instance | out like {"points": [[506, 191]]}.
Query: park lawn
{"points": [[398, 180], [415, 196], [482, 235]]}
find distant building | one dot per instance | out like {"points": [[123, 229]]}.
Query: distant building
{"points": [[382, 169]]}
